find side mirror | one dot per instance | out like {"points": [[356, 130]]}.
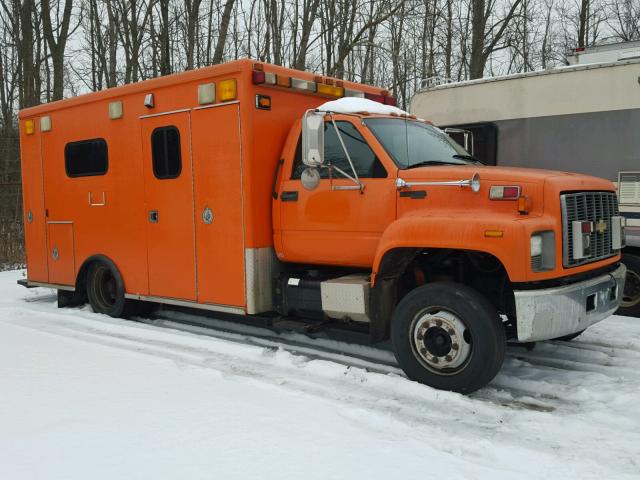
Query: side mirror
{"points": [[310, 178], [313, 139]]}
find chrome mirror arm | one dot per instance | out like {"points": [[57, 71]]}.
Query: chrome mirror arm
{"points": [[355, 178]]}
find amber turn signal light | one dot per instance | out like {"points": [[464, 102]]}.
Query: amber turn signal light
{"points": [[523, 205]]}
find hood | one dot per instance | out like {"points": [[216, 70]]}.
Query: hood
{"points": [[541, 186], [563, 180]]}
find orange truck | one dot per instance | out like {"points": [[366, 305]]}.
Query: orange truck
{"points": [[252, 189]]}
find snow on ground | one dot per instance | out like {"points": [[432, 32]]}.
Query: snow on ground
{"points": [[87, 396]]}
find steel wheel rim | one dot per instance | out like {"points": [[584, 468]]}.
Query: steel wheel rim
{"points": [[631, 293], [440, 341]]}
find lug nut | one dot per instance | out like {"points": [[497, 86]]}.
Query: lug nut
{"points": [[423, 351], [455, 346], [420, 336], [451, 331], [448, 358]]}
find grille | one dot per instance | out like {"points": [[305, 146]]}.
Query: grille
{"points": [[591, 207]]}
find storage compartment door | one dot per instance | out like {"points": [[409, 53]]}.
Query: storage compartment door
{"points": [[62, 269], [168, 189], [219, 219]]}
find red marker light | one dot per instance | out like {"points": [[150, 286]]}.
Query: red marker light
{"points": [[390, 101], [511, 192], [258, 77], [375, 98]]}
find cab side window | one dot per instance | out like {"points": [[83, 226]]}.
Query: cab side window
{"points": [[364, 160]]}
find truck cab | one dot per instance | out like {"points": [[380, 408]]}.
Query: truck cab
{"points": [[389, 221]]}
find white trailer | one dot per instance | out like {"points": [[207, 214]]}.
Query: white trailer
{"points": [[584, 118]]}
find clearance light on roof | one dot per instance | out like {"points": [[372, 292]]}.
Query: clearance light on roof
{"points": [[45, 124], [115, 110], [206, 93], [303, 85], [227, 90], [353, 93], [29, 127], [501, 192], [283, 81], [382, 98], [330, 90], [325, 86]]}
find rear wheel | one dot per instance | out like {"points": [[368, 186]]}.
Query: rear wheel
{"points": [[448, 336], [630, 302], [105, 291]]}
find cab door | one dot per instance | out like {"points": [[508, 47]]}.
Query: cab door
{"points": [[168, 186], [337, 223]]}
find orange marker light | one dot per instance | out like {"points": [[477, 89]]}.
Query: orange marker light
{"points": [[330, 90], [494, 233], [523, 205], [283, 81], [227, 90], [29, 127]]}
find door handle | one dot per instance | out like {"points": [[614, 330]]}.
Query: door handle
{"points": [[153, 216], [289, 196], [415, 194]]}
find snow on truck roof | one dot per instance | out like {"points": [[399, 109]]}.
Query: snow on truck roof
{"points": [[358, 105]]}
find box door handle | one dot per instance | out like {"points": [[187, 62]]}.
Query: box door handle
{"points": [[153, 216], [289, 196]]}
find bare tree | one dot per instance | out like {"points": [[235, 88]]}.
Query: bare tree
{"points": [[485, 38]]}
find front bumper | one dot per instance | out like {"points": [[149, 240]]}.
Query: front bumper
{"points": [[554, 312]]}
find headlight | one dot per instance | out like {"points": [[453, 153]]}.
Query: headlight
{"points": [[618, 241], [543, 251]]}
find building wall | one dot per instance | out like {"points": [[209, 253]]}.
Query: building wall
{"points": [[599, 144]]}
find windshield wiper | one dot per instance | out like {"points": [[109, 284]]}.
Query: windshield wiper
{"points": [[464, 156], [432, 162]]}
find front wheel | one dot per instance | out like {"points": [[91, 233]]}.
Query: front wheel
{"points": [[448, 336], [630, 302]]}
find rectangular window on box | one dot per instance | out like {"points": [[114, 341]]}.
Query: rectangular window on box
{"points": [[165, 151], [86, 158]]}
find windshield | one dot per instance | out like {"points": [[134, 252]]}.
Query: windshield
{"points": [[412, 143]]}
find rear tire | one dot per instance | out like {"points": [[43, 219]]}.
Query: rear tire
{"points": [[630, 303], [105, 291], [448, 336]]}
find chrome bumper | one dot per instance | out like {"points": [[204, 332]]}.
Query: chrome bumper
{"points": [[554, 312]]}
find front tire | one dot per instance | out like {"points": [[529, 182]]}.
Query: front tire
{"points": [[630, 302], [448, 336]]}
